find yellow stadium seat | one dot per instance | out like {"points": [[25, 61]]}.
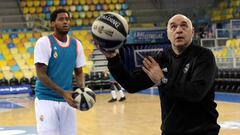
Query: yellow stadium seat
{"points": [[66, 8], [85, 8], [43, 3], [8, 56], [56, 2], [14, 51], [111, 7], [36, 3], [52, 8], [18, 74], [75, 2], [24, 67], [114, 1], [23, 40], [91, 20], [29, 3], [89, 14], [101, 1], [1, 75], [25, 10], [27, 44], [37, 35], [72, 8], [29, 35], [8, 75], [95, 2], [73, 23], [118, 6], [11, 62], [128, 12], [89, 2], [16, 40], [26, 56], [86, 22], [105, 7], [21, 35], [121, 1], [75, 15], [108, 1], [92, 8], [96, 14], [29, 61], [82, 2], [5, 68], [5, 36], [23, 3], [69, 2], [82, 15], [28, 74], [3, 63]]}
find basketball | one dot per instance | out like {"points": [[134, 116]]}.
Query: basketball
{"points": [[85, 98], [110, 31]]}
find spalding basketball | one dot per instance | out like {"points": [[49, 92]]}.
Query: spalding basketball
{"points": [[85, 98], [110, 31]]}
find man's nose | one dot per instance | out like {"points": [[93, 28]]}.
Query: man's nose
{"points": [[179, 29]]}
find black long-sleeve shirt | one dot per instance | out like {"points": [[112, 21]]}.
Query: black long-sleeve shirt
{"points": [[187, 100]]}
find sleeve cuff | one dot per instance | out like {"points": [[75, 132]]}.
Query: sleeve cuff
{"points": [[114, 60]]}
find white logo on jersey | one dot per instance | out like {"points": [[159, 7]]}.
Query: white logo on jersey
{"points": [[165, 69], [186, 68]]}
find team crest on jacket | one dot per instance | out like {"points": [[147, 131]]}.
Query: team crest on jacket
{"points": [[186, 68]]}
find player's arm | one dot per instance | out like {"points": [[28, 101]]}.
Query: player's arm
{"points": [[203, 76], [80, 77], [80, 62], [130, 81]]}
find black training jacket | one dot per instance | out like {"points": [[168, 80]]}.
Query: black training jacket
{"points": [[187, 100]]}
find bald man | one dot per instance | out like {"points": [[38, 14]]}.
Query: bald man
{"points": [[187, 100]]}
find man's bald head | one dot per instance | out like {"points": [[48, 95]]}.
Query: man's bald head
{"points": [[177, 16]]}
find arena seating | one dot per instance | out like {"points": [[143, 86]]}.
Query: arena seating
{"points": [[83, 12], [228, 80], [226, 10]]}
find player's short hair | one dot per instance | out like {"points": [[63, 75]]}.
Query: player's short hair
{"points": [[56, 12]]}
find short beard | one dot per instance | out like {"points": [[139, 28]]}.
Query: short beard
{"points": [[63, 32]]}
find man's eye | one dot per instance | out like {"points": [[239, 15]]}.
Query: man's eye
{"points": [[173, 27], [184, 26]]}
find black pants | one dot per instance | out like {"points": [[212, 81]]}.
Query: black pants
{"points": [[210, 132]]}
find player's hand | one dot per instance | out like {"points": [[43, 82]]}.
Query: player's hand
{"points": [[152, 69], [108, 54], [68, 97]]}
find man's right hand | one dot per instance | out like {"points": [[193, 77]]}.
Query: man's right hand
{"points": [[68, 97], [108, 54]]}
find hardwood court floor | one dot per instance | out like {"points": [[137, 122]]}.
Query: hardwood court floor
{"points": [[138, 115]]}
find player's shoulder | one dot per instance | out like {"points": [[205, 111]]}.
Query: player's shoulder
{"points": [[199, 48], [202, 51], [43, 39], [43, 42]]}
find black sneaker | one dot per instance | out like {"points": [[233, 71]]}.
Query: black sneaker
{"points": [[112, 100], [122, 99]]}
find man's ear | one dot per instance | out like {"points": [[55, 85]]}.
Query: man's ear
{"points": [[52, 24], [193, 31]]}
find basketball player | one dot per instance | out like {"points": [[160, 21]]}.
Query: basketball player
{"points": [[184, 75], [115, 87], [56, 57]]}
